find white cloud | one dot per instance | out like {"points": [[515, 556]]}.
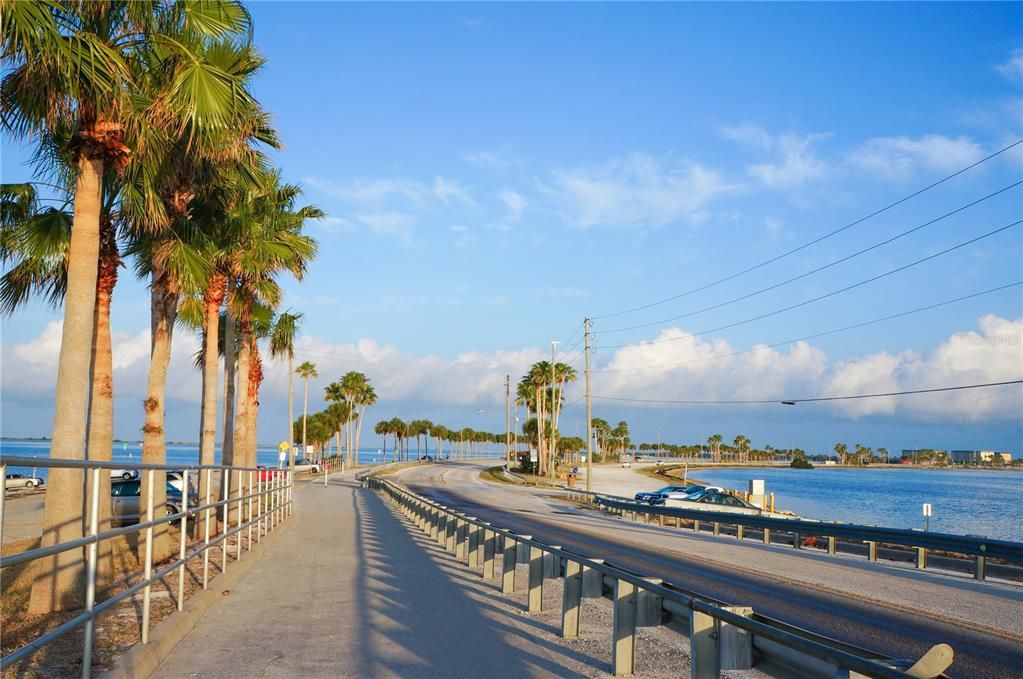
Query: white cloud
{"points": [[791, 161], [900, 157], [1013, 68], [447, 191], [389, 223], [370, 192], [514, 201], [635, 192], [501, 161]]}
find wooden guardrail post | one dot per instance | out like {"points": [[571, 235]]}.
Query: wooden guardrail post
{"points": [[572, 599], [871, 550], [980, 568], [717, 528], [451, 531], [696, 525], [535, 579], [461, 534], [832, 545], [442, 527], [593, 581], [921, 557], [522, 549], [552, 563], [767, 536], [648, 605], [508, 566], [489, 547], [435, 515], [736, 643], [740, 532], [623, 651], [473, 557], [704, 659]]}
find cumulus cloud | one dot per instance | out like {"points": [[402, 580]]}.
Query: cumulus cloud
{"points": [[791, 160], [900, 157], [635, 192]]}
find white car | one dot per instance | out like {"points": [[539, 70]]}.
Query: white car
{"points": [[627, 463], [22, 481], [303, 466], [126, 474]]}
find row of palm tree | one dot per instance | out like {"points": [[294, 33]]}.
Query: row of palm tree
{"points": [[152, 148], [542, 391], [462, 443]]}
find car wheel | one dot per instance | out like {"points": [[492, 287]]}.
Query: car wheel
{"points": [[126, 476], [30, 484]]}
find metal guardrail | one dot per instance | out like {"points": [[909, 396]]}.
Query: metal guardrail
{"points": [[266, 502], [721, 637], [980, 548]]}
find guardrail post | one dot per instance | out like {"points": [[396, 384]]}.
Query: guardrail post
{"points": [[473, 559], [740, 532], [434, 522], [552, 563], [696, 525], [146, 592], [489, 547], [90, 577], [535, 579], [593, 581], [508, 565], [832, 545], [183, 542], [703, 646], [623, 651], [523, 549], [442, 527], [717, 528], [921, 557], [460, 539], [648, 606], [871, 550], [572, 599], [980, 567], [736, 643], [767, 536], [450, 530]]}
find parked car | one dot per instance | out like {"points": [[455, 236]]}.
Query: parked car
{"points": [[266, 473], [22, 481], [126, 474], [303, 466], [721, 499], [650, 495], [126, 501], [627, 463], [684, 494]]}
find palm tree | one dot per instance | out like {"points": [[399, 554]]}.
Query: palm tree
{"points": [[741, 444], [305, 370], [282, 343], [383, 429], [883, 451], [842, 451], [367, 396], [715, 446]]}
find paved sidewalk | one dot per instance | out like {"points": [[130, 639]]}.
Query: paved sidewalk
{"points": [[346, 591]]}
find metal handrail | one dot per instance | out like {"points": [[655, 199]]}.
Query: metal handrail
{"points": [[273, 499], [810, 645], [963, 544]]}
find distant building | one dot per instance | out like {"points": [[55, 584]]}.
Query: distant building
{"points": [[980, 456]]}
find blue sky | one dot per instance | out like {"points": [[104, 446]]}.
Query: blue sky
{"points": [[494, 173]]}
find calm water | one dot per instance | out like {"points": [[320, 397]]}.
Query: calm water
{"points": [[963, 502], [176, 454]]}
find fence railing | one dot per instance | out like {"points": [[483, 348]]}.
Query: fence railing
{"points": [[980, 548], [253, 500], [721, 636]]}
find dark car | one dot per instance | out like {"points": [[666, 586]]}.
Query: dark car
{"points": [[713, 497], [126, 502], [648, 495]]}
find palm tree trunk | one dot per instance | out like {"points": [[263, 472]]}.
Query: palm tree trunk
{"points": [[101, 401], [241, 419], [255, 381], [291, 411], [305, 415], [230, 367], [164, 307], [56, 587], [213, 298], [358, 434]]}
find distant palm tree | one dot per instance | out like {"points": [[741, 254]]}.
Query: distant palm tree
{"points": [[843, 452], [715, 447], [741, 444], [306, 370], [282, 343]]}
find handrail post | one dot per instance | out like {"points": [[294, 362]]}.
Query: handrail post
{"points": [[832, 545], [206, 529], [3, 499], [571, 599], [623, 650], [226, 495], [146, 592], [90, 582], [248, 524], [183, 543], [238, 550]]}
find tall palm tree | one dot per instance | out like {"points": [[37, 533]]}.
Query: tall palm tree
{"points": [[714, 442], [741, 444], [305, 370], [382, 429], [367, 396], [282, 343]]}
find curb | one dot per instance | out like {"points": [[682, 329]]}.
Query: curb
{"points": [[141, 661]]}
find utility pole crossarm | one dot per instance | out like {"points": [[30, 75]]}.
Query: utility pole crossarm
{"points": [[587, 324]]}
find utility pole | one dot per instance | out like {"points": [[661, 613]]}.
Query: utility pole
{"points": [[587, 324], [551, 451], [507, 419]]}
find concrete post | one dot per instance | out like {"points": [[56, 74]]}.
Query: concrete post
{"points": [[871, 550], [442, 528], [535, 579], [434, 522], [508, 566], [740, 532], [717, 528], [703, 646], [980, 568], [572, 599], [472, 559], [623, 651], [461, 535], [523, 549], [796, 541], [767, 536], [832, 545], [921, 557], [450, 533], [593, 581]]}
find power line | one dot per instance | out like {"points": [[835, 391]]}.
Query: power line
{"points": [[812, 242], [826, 295], [814, 336], [793, 401], [820, 268]]}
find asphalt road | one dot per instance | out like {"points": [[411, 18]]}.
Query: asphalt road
{"points": [[889, 631]]}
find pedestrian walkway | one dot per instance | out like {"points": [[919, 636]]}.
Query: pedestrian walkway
{"points": [[348, 591]]}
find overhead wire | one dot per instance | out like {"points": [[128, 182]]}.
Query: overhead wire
{"points": [[814, 241], [820, 268], [826, 295], [816, 399], [804, 338]]}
